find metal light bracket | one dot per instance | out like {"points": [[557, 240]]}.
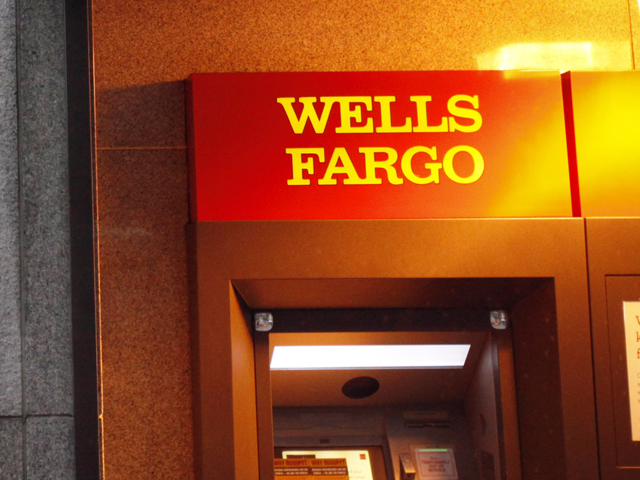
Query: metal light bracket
{"points": [[499, 319], [263, 321]]}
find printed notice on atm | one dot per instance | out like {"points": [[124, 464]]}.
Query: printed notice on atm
{"points": [[358, 461], [310, 468], [632, 338], [436, 464]]}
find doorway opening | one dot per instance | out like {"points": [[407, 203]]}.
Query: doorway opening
{"points": [[467, 419]]}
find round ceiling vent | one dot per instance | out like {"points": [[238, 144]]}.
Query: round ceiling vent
{"points": [[360, 387]]}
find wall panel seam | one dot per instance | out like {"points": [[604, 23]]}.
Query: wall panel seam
{"points": [[21, 266]]}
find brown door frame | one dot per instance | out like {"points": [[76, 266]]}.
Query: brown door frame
{"points": [[614, 276], [263, 254]]}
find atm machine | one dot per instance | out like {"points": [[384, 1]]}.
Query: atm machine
{"points": [[519, 406], [434, 420], [389, 209], [411, 393], [400, 413]]}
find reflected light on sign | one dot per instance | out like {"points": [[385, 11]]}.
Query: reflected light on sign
{"points": [[555, 56], [339, 357], [606, 110]]}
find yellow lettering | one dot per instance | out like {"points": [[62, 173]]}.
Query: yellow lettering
{"points": [[387, 165], [299, 165], [407, 169], [340, 154], [385, 158], [308, 113], [423, 124], [347, 114], [478, 164], [385, 117], [463, 112]]}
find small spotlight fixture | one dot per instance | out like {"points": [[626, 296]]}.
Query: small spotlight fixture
{"points": [[499, 319], [263, 321]]}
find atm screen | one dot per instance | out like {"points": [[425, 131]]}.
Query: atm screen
{"points": [[363, 462]]}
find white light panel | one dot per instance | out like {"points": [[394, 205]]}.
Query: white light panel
{"points": [[340, 357]]}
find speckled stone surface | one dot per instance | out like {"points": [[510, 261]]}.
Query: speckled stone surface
{"points": [[10, 357], [11, 448], [146, 369], [139, 48], [145, 49], [50, 448], [155, 115], [35, 327], [45, 215]]}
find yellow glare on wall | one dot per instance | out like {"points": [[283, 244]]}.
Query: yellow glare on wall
{"points": [[607, 126], [557, 56]]}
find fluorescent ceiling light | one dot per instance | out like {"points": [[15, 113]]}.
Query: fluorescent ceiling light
{"points": [[340, 357]]}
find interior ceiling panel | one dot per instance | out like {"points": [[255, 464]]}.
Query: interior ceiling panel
{"points": [[496, 293], [397, 387]]}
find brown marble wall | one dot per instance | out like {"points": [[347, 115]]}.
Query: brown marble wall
{"points": [[143, 52]]}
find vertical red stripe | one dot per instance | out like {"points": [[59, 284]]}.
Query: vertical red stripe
{"points": [[567, 99]]}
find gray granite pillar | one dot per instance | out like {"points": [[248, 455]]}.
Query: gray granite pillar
{"points": [[36, 384]]}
